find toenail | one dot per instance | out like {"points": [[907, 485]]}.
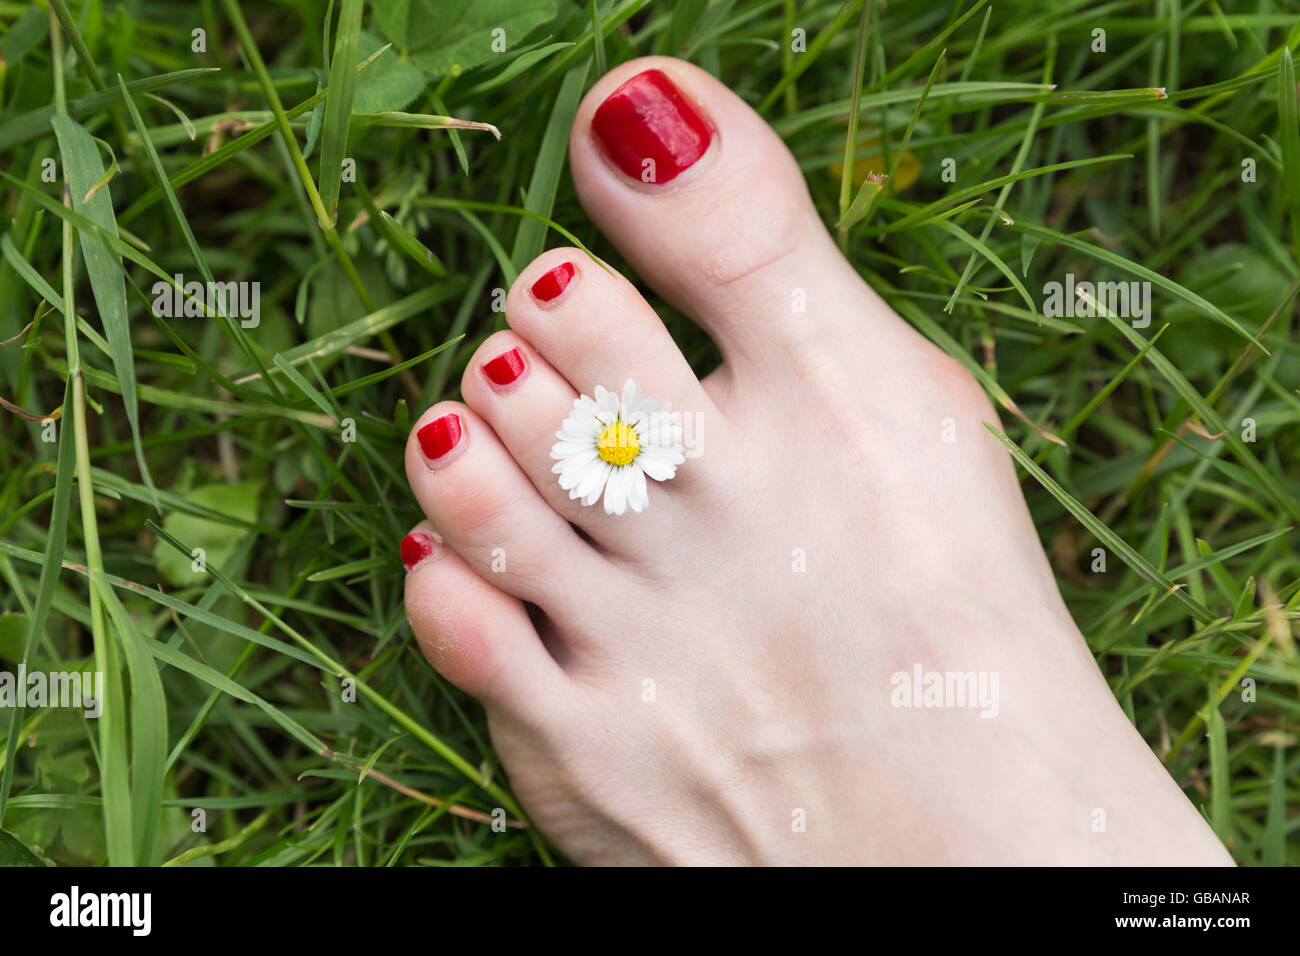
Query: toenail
{"points": [[439, 436], [649, 130], [506, 369], [416, 546], [552, 283]]}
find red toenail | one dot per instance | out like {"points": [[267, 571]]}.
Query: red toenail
{"points": [[554, 282], [505, 368], [440, 436], [416, 546], [650, 130]]}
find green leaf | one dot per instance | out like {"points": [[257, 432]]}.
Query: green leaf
{"points": [[444, 35], [336, 340], [405, 241], [217, 539], [215, 679], [349, 569], [14, 852], [203, 164], [24, 35], [961, 195], [388, 85], [1028, 246], [813, 51], [863, 201]]}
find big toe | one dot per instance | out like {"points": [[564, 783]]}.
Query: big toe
{"points": [[707, 204]]}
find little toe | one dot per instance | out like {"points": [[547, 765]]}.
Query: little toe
{"points": [[475, 635]]}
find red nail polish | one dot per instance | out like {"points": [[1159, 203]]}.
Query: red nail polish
{"points": [[440, 436], [505, 368], [649, 130], [416, 546], [554, 282]]}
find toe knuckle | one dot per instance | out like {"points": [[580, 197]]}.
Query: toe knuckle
{"points": [[750, 236], [478, 510]]}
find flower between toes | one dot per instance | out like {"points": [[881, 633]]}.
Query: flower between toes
{"points": [[609, 445]]}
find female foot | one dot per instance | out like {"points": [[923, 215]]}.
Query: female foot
{"points": [[731, 675]]}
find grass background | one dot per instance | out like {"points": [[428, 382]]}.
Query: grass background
{"points": [[278, 690]]}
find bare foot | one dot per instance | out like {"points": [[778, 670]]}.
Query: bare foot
{"points": [[728, 676]]}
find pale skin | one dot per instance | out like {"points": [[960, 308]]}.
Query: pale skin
{"points": [[825, 537]]}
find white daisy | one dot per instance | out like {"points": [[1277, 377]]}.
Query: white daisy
{"points": [[611, 445]]}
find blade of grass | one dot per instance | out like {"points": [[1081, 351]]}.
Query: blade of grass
{"points": [[82, 167], [402, 719], [1274, 852], [933, 44], [1105, 535], [1220, 809], [223, 154], [961, 195], [34, 123], [1022, 156], [28, 274], [530, 237], [1288, 116], [50, 567], [851, 134], [338, 105], [148, 726], [810, 55], [955, 230], [233, 329], [115, 783], [1267, 482], [326, 222], [1174, 289]]}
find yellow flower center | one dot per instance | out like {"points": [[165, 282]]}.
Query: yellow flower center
{"points": [[618, 444]]}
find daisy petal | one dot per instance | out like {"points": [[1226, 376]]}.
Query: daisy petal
{"points": [[637, 496], [656, 465], [593, 483], [575, 474], [616, 492]]}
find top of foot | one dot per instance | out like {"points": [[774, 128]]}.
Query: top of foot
{"points": [[743, 669]]}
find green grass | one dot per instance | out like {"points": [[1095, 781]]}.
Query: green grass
{"points": [[277, 688]]}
